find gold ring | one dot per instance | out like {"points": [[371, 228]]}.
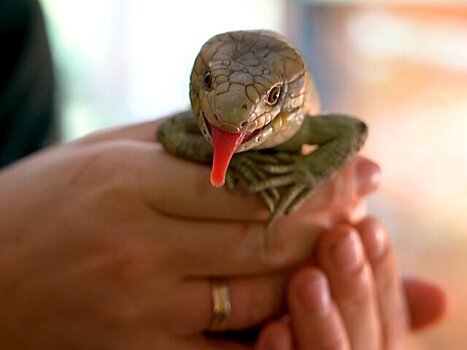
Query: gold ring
{"points": [[220, 304]]}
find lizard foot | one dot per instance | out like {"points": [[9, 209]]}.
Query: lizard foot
{"points": [[290, 175], [245, 166], [282, 180]]}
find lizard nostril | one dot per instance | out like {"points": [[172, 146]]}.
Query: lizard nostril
{"points": [[243, 124]]}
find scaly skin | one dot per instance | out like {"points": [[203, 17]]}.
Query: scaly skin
{"points": [[255, 84]]}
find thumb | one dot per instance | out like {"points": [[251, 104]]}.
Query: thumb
{"points": [[427, 302]]}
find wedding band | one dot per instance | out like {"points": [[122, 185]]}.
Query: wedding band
{"points": [[220, 304]]}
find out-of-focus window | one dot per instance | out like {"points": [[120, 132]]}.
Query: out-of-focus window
{"points": [[125, 60]]}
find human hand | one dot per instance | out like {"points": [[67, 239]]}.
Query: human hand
{"points": [[352, 297], [109, 242]]}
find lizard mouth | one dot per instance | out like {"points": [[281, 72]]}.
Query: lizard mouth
{"points": [[246, 135], [250, 139], [225, 144]]}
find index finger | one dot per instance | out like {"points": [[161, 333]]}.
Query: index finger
{"points": [[179, 187], [169, 184]]}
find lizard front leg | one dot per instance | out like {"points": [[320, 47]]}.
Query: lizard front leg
{"points": [[337, 137], [180, 136]]}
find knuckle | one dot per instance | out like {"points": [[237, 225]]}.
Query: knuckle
{"points": [[118, 271], [104, 163], [289, 242], [264, 245], [278, 249], [360, 290], [125, 258], [272, 250]]}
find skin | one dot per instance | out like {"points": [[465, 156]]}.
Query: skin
{"points": [[360, 305], [109, 242]]}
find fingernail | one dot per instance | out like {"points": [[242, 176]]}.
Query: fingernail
{"points": [[375, 243], [347, 253], [368, 176], [314, 293]]}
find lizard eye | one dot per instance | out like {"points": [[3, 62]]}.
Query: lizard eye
{"points": [[207, 80], [273, 95]]}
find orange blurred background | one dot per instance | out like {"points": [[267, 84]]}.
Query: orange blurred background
{"points": [[404, 70]]}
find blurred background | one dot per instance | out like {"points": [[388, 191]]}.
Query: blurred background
{"points": [[400, 65]]}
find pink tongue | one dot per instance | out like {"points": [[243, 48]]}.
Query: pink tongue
{"points": [[224, 144]]}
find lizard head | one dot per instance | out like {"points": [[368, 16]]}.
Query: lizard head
{"points": [[246, 87]]}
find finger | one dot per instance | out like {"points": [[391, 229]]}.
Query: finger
{"points": [[166, 183], [366, 175], [357, 179], [341, 256], [145, 131], [178, 187], [315, 320], [204, 248], [210, 343], [392, 308], [252, 299], [275, 336], [427, 302]]}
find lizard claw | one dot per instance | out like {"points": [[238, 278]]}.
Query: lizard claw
{"points": [[290, 201], [282, 181], [231, 180], [295, 194], [244, 166]]}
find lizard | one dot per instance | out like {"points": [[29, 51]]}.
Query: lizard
{"points": [[254, 106]]}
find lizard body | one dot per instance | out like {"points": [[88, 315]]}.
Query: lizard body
{"points": [[254, 106]]}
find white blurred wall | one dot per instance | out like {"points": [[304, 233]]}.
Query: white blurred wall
{"points": [[120, 61]]}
